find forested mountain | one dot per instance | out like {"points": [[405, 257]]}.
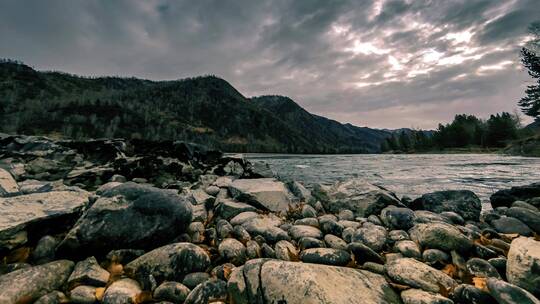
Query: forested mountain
{"points": [[205, 110]]}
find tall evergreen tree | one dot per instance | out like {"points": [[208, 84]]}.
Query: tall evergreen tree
{"points": [[530, 58]]}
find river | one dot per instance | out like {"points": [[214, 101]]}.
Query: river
{"points": [[409, 174]]}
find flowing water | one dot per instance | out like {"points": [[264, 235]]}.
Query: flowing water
{"points": [[411, 175]]}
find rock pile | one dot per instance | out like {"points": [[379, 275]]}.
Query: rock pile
{"points": [[113, 221]]}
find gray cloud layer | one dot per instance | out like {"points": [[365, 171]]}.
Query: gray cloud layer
{"points": [[381, 63]]}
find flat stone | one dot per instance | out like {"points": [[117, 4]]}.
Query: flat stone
{"points": [[263, 193]]}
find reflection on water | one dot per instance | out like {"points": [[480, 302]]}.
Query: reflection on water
{"points": [[410, 175]]}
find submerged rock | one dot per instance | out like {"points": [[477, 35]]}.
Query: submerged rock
{"points": [[128, 216], [29, 284], [272, 281]]}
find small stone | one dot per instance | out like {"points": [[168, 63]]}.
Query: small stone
{"points": [[191, 280], [241, 234], [435, 257], [253, 250], [509, 294], [224, 229], [466, 294], [398, 218], [346, 215], [121, 292], [45, 250], [267, 251], [308, 211], [438, 235], [243, 217], [88, 272], [309, 242], [408, 249], [233, 251], [363, 253], [53, 297], [481, 268], [418, 275], [510, 225], [83, 295], [299, 231], [196, 232], [327, 256], [209, 291], [286, 251], [171, 291], [418, 296], [371, 235], [335, 242]]}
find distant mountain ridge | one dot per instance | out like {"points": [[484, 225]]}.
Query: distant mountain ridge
{"points": [[204, 110]]}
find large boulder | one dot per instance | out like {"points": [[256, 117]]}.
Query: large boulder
{"points": [[129, 216], [273, 281], [438, 235], [37, 214], [527, 216], [357, 195], [8, 185], [523, 264], [28, 284], [505, 197], [462, 202], [263, 193], [168, 263], [419, 275]]}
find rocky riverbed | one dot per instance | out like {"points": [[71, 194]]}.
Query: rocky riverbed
{"points": [[116, 221]]}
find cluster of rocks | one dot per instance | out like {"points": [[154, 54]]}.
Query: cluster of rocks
{"points": [[137, 222]]}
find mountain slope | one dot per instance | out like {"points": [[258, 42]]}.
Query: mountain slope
{"points": [[205, 110]]}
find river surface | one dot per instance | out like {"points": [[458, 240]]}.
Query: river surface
{"points": [[411, 175]]}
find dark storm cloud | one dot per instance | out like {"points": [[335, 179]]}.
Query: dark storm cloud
{"points": [[382, 63]]}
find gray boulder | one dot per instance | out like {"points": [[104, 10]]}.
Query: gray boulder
{"points": [[441, 236], [263, 193], [38, 214], [30, 284], [510, 225], [272, 281], [462, 202], [356, 195], [523, 264], [418, 275], [527, 216], [129, 216], [168, 263]]}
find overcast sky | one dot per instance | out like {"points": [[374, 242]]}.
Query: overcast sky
{"points": [[381, 63]]}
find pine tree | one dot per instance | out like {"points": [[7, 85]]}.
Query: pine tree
{"points": [[530, 58]]}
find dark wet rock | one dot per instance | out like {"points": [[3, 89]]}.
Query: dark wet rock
{"points": [[330, 226], [124, 256], [523, 265], [286, 251], [191, 280], [484, 252], [209, 291], [243, 217], [171, 291], [263, 193], [308, 211], [356, 195], [267, 251], [522, 204], [129, 216], [29, 284], [53, 297], [482, 268], [224, 229], [253, 250], [439, 235], [300, 231], [371, 235], [511, 225], [83, 295], [231, 250], [499, 264], [507, 293], [327, 256], [168, 263], [348, 234], [227, 209], [266, 226], [418, 296], [122, 292], [435, 257], [307, 283], [467, 294], [520, 193], [397, 218], [463, 202], [528, 217], [335, 242], [426, 217], [363, 253], [38, 214], [45, 250], [408, 249], [418, 275], [8, 185], [310, 242], [88, 272]]}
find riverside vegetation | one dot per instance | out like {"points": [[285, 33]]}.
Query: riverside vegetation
{"points": [[134, 221]]}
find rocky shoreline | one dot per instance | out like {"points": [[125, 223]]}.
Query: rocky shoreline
{"points": [[117, 221]]}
